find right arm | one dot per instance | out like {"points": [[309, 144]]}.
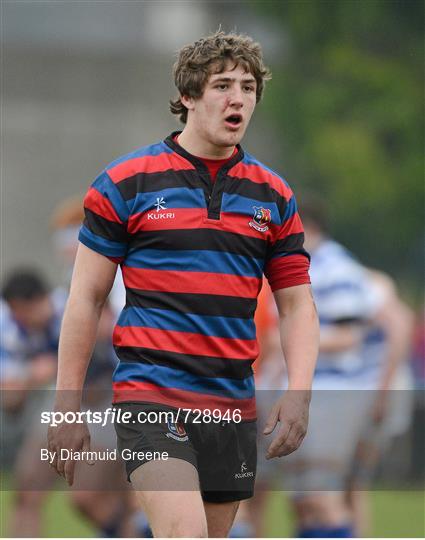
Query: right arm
{"points": [[92, 280]]}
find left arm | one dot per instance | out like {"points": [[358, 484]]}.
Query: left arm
{"points": [[299, 332]]}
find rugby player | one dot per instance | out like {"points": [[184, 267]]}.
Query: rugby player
{"points": [[194, 222], [364, 340]]}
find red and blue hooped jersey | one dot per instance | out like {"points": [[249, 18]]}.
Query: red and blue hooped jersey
{"points": [[192, 255]]}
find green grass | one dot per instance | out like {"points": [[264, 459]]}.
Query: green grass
{"points": [[394, 514]]}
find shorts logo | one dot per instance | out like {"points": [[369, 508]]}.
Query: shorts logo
{"points": [[176, 431], [262, 216], [244, 473]]}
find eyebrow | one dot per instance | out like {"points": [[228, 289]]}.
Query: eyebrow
{"points": [[231, 79]]}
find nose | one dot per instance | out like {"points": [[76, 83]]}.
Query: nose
{"points": [[236, 97]]}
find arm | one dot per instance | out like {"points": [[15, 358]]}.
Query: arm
{"points": [[396, 320], [299, 332], [91, 282]]}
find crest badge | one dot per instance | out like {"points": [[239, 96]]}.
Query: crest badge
{"points": [[262, 217], [176, 431]]}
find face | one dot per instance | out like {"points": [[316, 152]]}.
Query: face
{"points": [[221, 115], [34, 314]]}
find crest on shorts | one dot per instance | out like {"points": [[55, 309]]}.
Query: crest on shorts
{"points": [[176, 431], [262, 217]]}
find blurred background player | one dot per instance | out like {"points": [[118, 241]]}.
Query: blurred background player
{"points": [[365, 337], [30, 322], [31, 317]]}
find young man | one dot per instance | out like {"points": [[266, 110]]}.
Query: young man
{"points": [[194, 222]]}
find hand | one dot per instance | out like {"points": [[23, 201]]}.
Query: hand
{"points": [[74, 437], [291, 412]]}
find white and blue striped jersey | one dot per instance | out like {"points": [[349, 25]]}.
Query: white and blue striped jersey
{"points": [[344, 293], [17, 346]]}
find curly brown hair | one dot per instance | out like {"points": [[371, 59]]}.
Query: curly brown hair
{"points": [[196, 62]]}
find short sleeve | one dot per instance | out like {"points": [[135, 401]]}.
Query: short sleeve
{"points": [[106, 215], [287, 261]]}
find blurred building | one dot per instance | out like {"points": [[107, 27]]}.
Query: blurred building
{"points": [[85, 82]]}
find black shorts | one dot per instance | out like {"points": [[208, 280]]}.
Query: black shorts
{"points": [[224, 454]]}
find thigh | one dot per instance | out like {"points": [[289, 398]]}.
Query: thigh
{"points": [[168, 492], [220, 517]]}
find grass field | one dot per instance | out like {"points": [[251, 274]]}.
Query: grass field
{"points": [[395, 514]]}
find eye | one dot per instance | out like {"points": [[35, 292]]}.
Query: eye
{"points": [[248, 88], [222, 86]]}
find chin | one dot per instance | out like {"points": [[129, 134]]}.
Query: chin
{"points": [[230, 139]]}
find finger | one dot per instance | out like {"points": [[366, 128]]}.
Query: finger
{"points": [[271, 421], [291, 442], [86, 448], [60, 466], [69, 471], [278, 441]]}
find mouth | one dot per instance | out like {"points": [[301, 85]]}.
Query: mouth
{"points": [[233, 121]]}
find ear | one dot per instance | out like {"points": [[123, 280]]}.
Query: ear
{"points": [[188, 102]]}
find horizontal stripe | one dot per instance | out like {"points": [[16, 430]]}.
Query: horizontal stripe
{"points": [[154, 149], [256, 172], [104, 185], [244, 205], [161, 162], [105, 228], [136, 391], [292, 243], [289, 271], [292, 225], [291, 208], [100, 205], [201, 304], [101, 245], [191, 282], [170, 198], [202, 261], [182, 218], [213, 239], [352, 287], [175, 378], [228, 327], [196, 218], [239, 224], [184, 342], [144, 182], [205, 366], [262, 192]]}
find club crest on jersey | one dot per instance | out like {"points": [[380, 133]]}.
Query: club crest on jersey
{"points": [[176, 431], [262, 216]]}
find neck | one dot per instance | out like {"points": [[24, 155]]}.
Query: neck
{"points": [[197, 146]]}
